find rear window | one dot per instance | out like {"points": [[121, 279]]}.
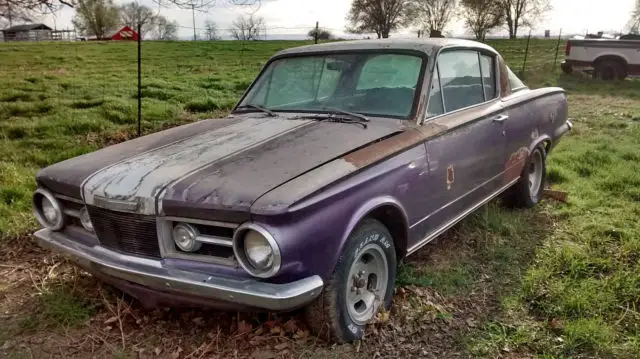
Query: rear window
{"points": [[514, 82]]}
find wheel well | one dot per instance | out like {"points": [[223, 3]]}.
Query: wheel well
{"points": [[392, 218], [610, 58]]}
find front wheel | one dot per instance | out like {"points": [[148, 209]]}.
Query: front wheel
{"points": [[362, 283]]}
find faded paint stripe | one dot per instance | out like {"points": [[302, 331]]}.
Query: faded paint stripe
{"points": [[142, 178]]}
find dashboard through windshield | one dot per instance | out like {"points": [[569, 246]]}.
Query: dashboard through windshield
{"points": [[376, 84]]}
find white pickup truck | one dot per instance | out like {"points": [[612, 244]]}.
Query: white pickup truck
{"points": [[607, 59]]}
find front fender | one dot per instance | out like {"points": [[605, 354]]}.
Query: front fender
{"points": [[369, 207]]}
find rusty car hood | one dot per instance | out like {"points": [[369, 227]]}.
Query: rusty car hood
{"points": [[215, 165]]}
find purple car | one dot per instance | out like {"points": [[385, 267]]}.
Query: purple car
{"points": [[340, 160]]}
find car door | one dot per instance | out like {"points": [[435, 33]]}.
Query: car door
{"points": [[467, 161]]}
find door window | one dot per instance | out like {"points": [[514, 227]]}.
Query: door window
{"points": [[461, 79], [488, 76]]}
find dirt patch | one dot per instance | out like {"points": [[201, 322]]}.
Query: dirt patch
{"points": [[89, 319]]}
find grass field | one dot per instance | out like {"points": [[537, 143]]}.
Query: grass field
{"points": [[562, 280]]}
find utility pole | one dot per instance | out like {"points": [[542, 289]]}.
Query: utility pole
{"points": [[315, 35]]}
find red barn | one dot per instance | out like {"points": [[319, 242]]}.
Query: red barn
{"points": [[126, 33]]}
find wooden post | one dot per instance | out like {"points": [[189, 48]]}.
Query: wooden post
{"points": [[316, 33]]}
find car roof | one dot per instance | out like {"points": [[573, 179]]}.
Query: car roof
{"points": [[428, 46]]}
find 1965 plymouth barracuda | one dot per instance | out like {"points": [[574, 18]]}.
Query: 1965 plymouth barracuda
{"points": [[339, 160]]}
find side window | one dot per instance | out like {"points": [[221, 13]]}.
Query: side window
{"points": [[435, 96], [514, 81], [461, 79], [488, 76]]}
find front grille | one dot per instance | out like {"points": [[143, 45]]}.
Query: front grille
{"points": [[126, 232]]}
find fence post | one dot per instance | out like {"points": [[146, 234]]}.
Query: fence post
{"points": [[315, 36], [526, 54], [139, 79], [557, 50]]}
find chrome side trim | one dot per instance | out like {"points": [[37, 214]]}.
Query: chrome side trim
{"points": [[455, 200], [154, 275], [220, 241], [458, 218], [200, 221]]}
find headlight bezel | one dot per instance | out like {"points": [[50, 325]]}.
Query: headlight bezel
{"points": [[241, 255], [38, 196]]}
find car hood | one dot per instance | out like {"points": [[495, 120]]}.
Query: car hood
{"points": [[220, 165]]}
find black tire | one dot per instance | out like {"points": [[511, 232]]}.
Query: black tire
{"points": [[328, 316], [566, 68], [521, 194], [609, 70]]}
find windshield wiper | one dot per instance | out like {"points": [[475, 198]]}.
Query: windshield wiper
{"points": [[334, 111], [334, 117], [259, 108]]}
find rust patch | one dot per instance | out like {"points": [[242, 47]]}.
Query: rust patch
{"points": [[391, 145], [450, 176], [515, 164]]}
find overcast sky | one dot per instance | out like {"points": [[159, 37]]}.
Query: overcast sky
{"points": [[291, 17]]}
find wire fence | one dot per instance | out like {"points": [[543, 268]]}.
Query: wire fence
{"points": [[122, 88]]}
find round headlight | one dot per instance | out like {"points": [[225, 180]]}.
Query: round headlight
{"points": [[48, 210], [256, 250], [184, 235], [85, 220]]}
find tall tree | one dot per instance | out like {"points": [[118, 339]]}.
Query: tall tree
{"points": [[96, 17], [482, 16], [523, 13], [379, 16], [26, 10], [248, 28], [132, 14], [322, 34], [211, 30], [434, 15], [165, 29], [634, 21]]}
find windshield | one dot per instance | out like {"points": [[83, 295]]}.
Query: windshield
{"points": [[377, 84]]}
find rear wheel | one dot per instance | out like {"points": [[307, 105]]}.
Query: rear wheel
{"points": [[527, 192], [609, 70], [362, 284]]}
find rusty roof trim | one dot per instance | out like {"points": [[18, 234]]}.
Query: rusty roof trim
{"points": [[429, 46]]}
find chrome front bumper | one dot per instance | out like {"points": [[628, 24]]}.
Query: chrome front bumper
{"points": [[154, 275]]}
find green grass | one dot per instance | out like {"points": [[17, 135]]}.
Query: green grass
{"points": [[566, 275]]}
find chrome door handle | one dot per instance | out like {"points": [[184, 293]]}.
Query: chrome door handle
{"points": [[500, 118]]}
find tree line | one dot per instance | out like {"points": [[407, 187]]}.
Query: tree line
{"points": [[101, 17], [432, 16]]}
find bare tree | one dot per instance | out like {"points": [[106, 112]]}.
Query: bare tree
{"points": [[165, 29], [379, 16], [248, 28], [96, 17], [211, 29], [26, 10], [523, 13], [434, 15], [134, 14], [634, 21], [482, 16]]}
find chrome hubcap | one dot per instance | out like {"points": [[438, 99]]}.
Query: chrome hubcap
{"points": [[535, 173], [368, 280]]}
